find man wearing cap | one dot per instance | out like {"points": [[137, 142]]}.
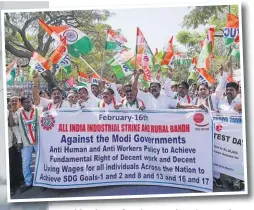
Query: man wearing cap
{"points": [[87, 99], [15, 160], [94, 88], [71, 98], [56, 97]]}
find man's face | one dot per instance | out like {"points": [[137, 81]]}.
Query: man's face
{"points": [[95, 90], [27, 104], [83, 94], [120, 91], [194, 87], [56, 96], [231, 93], [182, 90], [130, 97], [203, 91], [107, 96], [71, 98], [15, 103], [173, 88], [155, 89]]}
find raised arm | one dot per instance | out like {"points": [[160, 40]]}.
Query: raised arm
{"points": [[113, 86], [167, 85], [135, 82], [222, 83]]}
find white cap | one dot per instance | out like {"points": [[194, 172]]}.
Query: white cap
{"points": [[173, 83], [81, 87]]}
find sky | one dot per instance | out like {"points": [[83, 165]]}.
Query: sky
{"points": [[157, 24]]}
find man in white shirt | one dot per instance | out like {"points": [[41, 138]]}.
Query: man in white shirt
{"points": [[95, 89], [27, 119], [154, 100], [108, 101], [131, 102], [71, 98], [182, 95], [86, 98], [230, 102]]}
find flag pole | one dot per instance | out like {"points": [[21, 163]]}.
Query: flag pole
{"points": [[92, 68], [103, 58], [136, 49], [89, 66]]}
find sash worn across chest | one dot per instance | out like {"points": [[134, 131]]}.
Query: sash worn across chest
{"points": [[30, 125], [59, 105]]}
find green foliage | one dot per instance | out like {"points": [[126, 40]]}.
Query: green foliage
{"points": [[212, 15], [24, 35], [201, 15]]}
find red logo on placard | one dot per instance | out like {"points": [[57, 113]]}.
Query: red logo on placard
{"points": [[198, 119], [218, 127], [47, 122]]}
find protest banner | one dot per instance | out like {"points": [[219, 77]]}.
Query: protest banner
{"points": [[92, 148], [228, 145]]}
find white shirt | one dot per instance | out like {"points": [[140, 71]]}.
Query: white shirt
{"points": [[46, 102], [74, 106], [126, 105], [152, 103], [90, 102], [107, 106], [225, 107], [13, 130], [185, 100], [171, 94]]}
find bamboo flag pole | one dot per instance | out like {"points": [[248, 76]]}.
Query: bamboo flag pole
{"points": [[89, 66], [103, 58], [136, 50], [92, 68]]}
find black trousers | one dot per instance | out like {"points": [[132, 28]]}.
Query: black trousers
{"points": [[15, 165]]}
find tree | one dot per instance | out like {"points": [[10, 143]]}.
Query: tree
{"points": [[201, 15], [23, 35], [212, 15]]}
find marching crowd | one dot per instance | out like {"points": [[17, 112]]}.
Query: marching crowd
{"points": [[24, 112]]}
